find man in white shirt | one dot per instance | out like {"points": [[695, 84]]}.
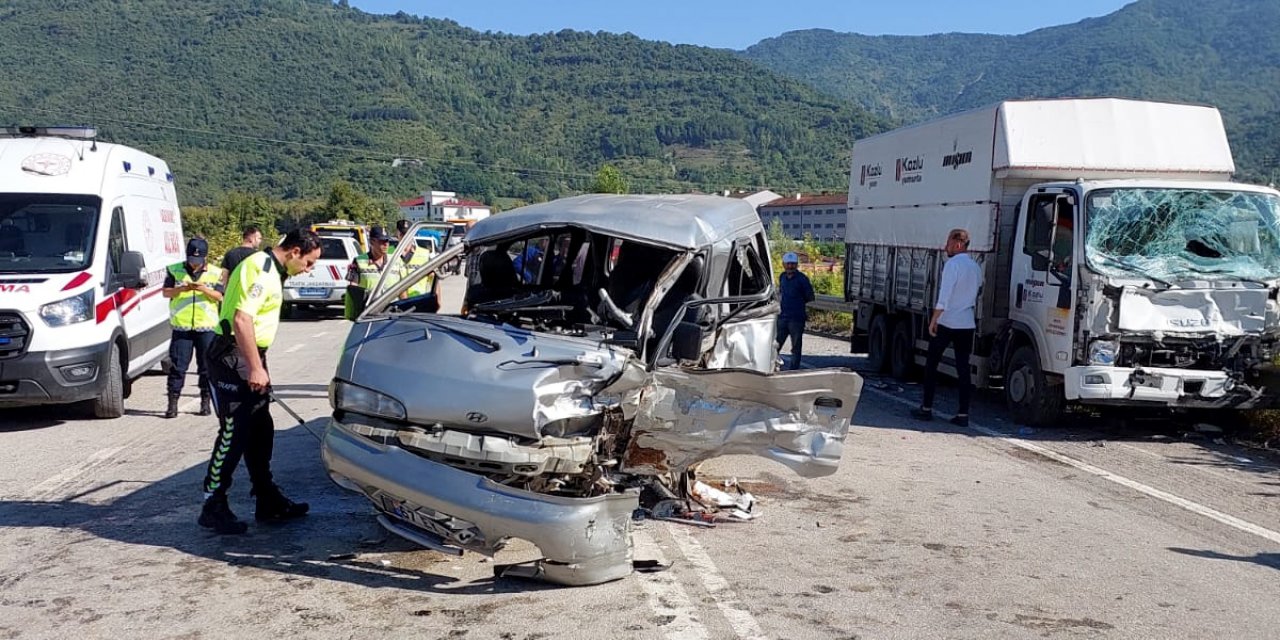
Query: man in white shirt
{"points": [[953, 324]]}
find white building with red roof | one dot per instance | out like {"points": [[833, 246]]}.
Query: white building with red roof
{"points": [[441, 206]]}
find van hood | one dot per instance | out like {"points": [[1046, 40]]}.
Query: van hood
{"points": [[483, 378]]}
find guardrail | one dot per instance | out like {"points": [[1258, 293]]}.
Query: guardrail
{"points": [[831, 303]]}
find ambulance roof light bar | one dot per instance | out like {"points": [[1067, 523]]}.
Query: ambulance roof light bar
{"points": [[70, 132]]}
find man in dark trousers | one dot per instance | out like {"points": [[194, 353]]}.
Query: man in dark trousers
{"points": [[250, 239], [795, 292], [238, 370], [193, 290], [953, 324]]}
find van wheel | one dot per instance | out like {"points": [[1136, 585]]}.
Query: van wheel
{"points": [[111, 403], [1033, 399], [288, 311], [902, 351], [878, 344]]}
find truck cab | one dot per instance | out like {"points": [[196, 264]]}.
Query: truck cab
{"points": [[1148, 291]]}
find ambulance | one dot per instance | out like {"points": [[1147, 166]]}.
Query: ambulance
{"points": [[87, 230]]}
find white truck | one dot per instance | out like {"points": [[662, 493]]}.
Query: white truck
{"points": [[87, 230], [1122, 267]]}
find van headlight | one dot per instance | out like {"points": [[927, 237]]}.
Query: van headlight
{"points": [[1103, 352], [75, 309], [345, 396]]}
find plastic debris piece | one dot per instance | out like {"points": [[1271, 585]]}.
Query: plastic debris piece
{"points": [[649, 566], [710, 496]]}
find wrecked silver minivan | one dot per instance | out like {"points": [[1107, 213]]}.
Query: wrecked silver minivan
{"points": [[606, 346]]}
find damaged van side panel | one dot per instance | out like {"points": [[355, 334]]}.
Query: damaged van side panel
{"points": [[798, 418]]}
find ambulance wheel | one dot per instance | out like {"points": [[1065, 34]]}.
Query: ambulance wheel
{"points": [[111, 403]]}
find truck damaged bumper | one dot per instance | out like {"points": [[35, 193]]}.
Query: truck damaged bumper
{"points": [[1189, 388], [583, 540]]}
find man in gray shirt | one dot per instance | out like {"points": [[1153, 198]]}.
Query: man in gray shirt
{"points": [[953, 324]]}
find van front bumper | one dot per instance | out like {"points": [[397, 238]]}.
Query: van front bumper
{"points": [[1185, 388], [53, 377], [584, 540]]}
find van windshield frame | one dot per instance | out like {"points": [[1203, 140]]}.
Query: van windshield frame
{"points": [[48, 232]]}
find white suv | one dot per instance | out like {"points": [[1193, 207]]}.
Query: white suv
{"points": [[325, 285]]}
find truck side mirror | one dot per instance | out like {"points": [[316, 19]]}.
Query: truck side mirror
{"points": [[1040, 260], [133, 270]]}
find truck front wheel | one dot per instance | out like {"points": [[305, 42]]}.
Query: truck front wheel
{"points": [[1032, 398]]}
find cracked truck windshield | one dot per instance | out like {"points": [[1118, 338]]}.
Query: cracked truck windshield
{"points": [[1184, 234]]}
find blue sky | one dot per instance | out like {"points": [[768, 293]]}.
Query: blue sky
{"points": [[738, 24]]}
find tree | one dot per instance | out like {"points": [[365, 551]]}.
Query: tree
{"points": [[345, 202], [609, 180]]}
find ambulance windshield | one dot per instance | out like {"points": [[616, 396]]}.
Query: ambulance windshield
{"points": [[46, 233], [1184, 234]]}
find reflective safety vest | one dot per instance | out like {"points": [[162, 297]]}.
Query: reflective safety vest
{"points": [[417, 259], [192, 310], [256, 287], [367, 274]]}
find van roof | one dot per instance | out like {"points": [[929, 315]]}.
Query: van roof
{"points": [[683, 221], [61, 165]]}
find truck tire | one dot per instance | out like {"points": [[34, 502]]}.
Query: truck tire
{"points": [[878, 344], [110, 404], [902, 351], [1033, 399]]}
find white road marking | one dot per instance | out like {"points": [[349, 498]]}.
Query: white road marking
{"points": [[667, 598], [321, 334], [55, 486], [739, 617], [1194, 507], [295, 348]]}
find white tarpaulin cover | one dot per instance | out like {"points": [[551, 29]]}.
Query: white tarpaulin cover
{"points": [[908, 187]]}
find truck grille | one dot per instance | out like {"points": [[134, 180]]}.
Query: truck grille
{"points": [[14, 335]]}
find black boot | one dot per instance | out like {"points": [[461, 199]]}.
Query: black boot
{"points": [[217, 515], [206, 404], [172, 411], [274, 507]]}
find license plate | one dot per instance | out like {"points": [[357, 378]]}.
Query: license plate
{"points": [[313, 292]]}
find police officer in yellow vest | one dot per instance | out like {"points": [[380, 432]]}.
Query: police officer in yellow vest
{"points": [[246, 327], [194, 291], [413, 258], [364, 272]]}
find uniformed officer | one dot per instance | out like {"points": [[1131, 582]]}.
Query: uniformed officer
{"points": [[238, 370], [363, 274], [194, 290], [412, 259]]}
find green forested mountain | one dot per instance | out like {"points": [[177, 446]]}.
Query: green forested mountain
{"points": [[280, 97], [1220, 52]]}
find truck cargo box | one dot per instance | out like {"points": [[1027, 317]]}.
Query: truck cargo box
{"points": [[908, 187]]}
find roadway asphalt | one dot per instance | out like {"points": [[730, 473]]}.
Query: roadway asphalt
{"points": [[926, 531]]}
